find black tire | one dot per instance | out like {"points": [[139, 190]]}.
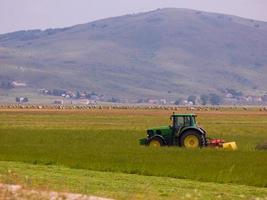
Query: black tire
{"points": [[155, 142], [192, 139]]}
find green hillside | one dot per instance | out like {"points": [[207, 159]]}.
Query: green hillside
{"points": [[163, 53]]}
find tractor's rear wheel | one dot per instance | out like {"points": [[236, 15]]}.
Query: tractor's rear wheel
{"points": [[155, 142], [192, 140]]}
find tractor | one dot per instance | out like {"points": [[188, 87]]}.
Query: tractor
{"points": [[183, 132]]}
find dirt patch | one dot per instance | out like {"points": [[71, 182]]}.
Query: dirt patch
{"points": [[10, 192]]}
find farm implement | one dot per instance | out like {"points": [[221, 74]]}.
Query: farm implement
{"points": [[183, 132]]}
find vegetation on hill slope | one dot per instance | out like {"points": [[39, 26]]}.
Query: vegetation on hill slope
{"points": [[162, 53]]}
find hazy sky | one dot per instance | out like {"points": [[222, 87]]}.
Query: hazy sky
{"points": [[40, 14]]}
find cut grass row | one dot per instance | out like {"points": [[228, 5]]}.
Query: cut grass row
{"points": [[119, 185], [115, 151], [108, 141]]}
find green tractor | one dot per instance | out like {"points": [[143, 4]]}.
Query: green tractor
{"points": [[183, 132]]}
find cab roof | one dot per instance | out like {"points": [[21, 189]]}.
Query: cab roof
{"points": [[181, 115]]}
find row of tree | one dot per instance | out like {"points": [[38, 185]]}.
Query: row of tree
{"points": [[204, 99]]}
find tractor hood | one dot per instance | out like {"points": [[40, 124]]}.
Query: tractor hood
{"points": [[160, 128]]}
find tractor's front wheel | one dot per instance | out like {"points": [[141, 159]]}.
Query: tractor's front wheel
{"points": [[192, 140], [155, 142]]}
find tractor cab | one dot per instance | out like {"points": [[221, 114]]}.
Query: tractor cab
{"points": [[182, 132], [179, 121]]}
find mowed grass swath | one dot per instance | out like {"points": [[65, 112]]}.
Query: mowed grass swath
{"points": [[120, 185], [107, 140]]}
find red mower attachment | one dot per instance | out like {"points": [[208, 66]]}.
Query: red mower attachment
{"points": [[220, 143], [216, 143]]}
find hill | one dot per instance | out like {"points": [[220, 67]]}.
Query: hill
{"points": [[164, 53]]}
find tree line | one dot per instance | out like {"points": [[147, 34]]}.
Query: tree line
{"points": [[204, 99]]}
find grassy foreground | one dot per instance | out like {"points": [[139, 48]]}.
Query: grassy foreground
{"points": [[119, 185], [107, 141]]}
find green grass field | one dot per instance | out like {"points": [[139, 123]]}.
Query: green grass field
{"points": [[105, 142], [120, 185]]}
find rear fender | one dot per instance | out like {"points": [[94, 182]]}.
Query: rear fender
{"points": [[199, 130]]}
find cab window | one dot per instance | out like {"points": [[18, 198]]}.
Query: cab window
{"points": [[187, 121], [180, 121]]}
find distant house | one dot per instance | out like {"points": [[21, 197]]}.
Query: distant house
{"points": [[22, 99], [18, 84], [43, 91], [254, 99], [157, 101], [82, 95], [84, 102], [229, 95], [153, 101], [59, 102], [87, 102], [94, 97], [187, 103], [163, 101]]}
